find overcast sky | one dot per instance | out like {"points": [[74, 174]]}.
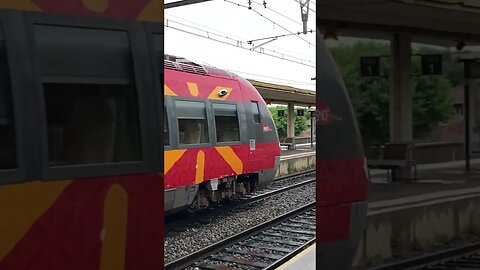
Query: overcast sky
{"points": [[235, 23]]}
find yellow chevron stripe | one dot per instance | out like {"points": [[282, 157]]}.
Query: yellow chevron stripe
{"points": [[114, 233], [153, 12], [231, 158], [19, 4], [168, 91], [171, 157], [21, 205], [96, 5], [199, 175], [193, 88]]}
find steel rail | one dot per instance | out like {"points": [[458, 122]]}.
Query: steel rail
{"points": [[195, 258], [443, 259]]}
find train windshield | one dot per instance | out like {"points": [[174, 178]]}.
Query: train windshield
{"points": [[7, 134]]}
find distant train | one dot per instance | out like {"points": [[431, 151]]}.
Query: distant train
{"points": [[219, 137]]}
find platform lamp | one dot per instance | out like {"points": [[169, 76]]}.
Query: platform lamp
{"points": [[331, 38]]}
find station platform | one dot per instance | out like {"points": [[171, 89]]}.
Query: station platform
{"points": [[305, 260], [301, 159], [432, 178], [300, 149], [406, 218]]}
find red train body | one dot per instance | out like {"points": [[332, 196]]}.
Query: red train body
{"points": [[235, 149]]}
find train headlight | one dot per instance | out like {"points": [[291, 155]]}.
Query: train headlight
{"points": [[222, 92]]}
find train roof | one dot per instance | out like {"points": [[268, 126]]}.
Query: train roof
{"points": [[184, 65], [142, 10]]}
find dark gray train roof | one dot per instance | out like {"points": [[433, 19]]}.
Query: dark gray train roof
{"points": [[338, 134]]}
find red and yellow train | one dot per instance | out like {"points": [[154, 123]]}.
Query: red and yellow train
{"points": [[220, 139]]}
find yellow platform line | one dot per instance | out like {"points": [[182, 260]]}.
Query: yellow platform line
{"points": [[297, 257]]}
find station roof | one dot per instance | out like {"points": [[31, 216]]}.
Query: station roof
{"points": [[283, 94], [437, 22]]}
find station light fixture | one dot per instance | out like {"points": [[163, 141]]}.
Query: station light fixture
{"points": [[331, 38]]}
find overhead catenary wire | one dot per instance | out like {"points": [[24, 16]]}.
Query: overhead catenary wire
{"points": [[237, 38], [206, 27], [277, 12], [304, 62], [271, 77], [275, 23], [238, 43]]}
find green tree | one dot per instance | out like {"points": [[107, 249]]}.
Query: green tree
{"points": [[281, 121], [432, 102]]}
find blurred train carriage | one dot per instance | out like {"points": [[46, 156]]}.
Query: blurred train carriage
{"points": [[80, 153], [342, 178]]}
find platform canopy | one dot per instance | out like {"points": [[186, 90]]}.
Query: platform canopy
{"points": [[436, 22], [282, 94]]}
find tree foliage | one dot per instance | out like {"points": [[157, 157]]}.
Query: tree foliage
{"points": [[281, 121], [432, 103]]}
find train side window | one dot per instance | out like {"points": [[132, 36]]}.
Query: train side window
{"points": [[91, 101], [8, 159], [256, 112], [226, 122], [90, 123], [192, 122], [166, 134]]}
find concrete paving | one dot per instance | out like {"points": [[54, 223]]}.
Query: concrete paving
{"points": [[432, 178]]}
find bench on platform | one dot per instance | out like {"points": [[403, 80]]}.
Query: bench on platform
{"points": [[289, 142], [391, 157]]}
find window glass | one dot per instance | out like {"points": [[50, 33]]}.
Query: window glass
{"points": [[256, 112], [65, 52], [8, 159], [90, 95], [89, 123], [226, 122], [192, 122]]}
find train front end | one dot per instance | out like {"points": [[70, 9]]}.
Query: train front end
{"points": [[342, 177], [221, 141]]}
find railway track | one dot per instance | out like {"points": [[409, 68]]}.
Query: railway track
{"points": [[303, 173], [265, 246], [178, 221], [466, 257]]}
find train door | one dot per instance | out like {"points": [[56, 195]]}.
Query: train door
{"points": [[256, 122]]}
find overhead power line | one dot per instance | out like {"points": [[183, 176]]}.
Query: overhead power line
{"points": [[235, 42], [275, 23], [280, 14], [275, 37], [270, 77], [229, 35], [239, 45]]}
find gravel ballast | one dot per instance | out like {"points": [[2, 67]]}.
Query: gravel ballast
{"points": [[179, 244]]}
